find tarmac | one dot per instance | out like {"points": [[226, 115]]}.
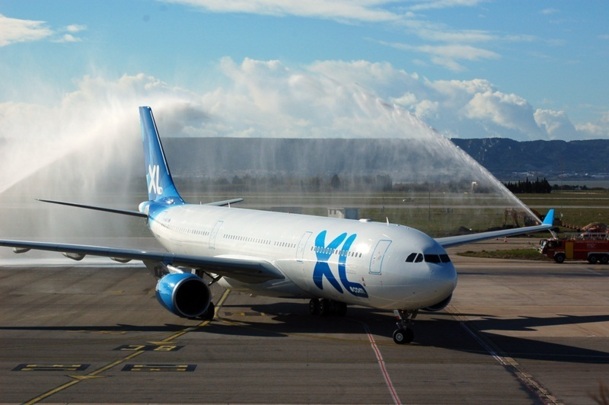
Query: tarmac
{"points": [[516, 332]]}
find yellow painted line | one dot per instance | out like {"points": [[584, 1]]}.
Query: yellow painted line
{"points": [[85, 377], [51, 392], [76, 379]]}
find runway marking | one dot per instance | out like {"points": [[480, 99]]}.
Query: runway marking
{"points": [[381, 363], [96, 373], [149, 348], [509, 363], [51, 367], [155, 367]]}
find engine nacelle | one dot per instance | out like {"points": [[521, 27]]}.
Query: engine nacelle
{"points": [[183, 294], [440, 305]]}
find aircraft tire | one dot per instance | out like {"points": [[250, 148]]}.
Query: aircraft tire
{"points": [[403, 336], [314, 306], [325, 307]]}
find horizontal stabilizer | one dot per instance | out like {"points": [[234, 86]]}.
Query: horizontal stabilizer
{"points": [[97, 208], [224, 203]]}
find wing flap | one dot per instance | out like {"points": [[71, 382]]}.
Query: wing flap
{"points": [[247, 270]]}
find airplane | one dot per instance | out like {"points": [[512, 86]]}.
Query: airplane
{"points": [[332, 262]]}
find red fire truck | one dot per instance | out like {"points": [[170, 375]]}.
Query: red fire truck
{"points": [[593, 247]]}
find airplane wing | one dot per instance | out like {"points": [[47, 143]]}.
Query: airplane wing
{"points": [[475, 237], [247, 270]]}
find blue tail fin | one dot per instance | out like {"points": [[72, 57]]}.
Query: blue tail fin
{"points": [[160, 184]]}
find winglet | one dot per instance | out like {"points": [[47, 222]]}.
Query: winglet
{"points": [[549, 219]]}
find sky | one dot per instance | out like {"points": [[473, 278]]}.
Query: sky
{"points": [[525, 70]]}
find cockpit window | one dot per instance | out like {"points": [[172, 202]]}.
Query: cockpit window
{"points": [[429, 258], [432, 258]]}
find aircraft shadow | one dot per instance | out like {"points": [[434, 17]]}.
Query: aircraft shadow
{"points": [[438, 329]]}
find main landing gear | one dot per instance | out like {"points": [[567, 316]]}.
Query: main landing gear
{"points": [[404, 333], [326, 307]]}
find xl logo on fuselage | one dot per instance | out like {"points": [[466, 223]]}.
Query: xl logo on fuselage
{"points": [[340, 245], [153, 180]]}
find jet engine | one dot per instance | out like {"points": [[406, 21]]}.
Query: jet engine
{"points": [[440, 305], [183, 294]]}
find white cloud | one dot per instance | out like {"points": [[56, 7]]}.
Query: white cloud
{"points": [[444, 46], [441, 4], [68, 38], [70, 32], [74, 28], [555, 123], [449, 55], [598, 129], [505, 110], [14, 30], [326, 99], [340, 10]]}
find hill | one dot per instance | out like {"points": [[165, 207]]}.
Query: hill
{"points": [[508, 159]]}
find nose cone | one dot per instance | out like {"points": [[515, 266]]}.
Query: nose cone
{"points": [[443, 277], [441, 273]]}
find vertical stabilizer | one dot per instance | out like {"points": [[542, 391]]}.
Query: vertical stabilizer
{"points": [[158, 177]]}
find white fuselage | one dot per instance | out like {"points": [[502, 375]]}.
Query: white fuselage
{"points": [[365, 263]]}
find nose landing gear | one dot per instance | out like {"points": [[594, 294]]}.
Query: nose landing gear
{"points": [[404, 333]]}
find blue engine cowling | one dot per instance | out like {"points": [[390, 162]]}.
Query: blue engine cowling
{"points": [[183, 294]]}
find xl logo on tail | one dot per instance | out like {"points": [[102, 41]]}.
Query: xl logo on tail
{"points": [[153, 180]]}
